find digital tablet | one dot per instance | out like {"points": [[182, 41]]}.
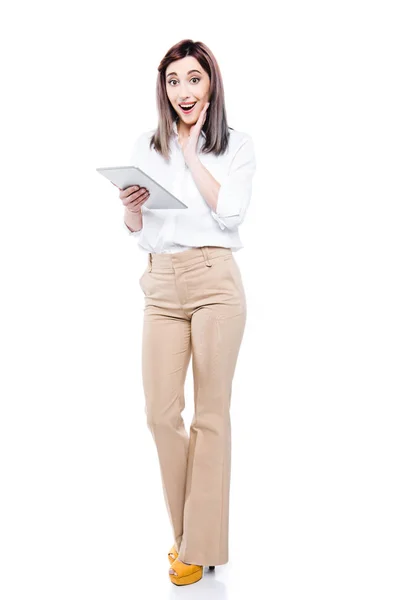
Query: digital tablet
{"points": [[124, 177]]}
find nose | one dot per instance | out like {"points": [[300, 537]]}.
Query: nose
{"points": [[185, 99], [184, 93]]}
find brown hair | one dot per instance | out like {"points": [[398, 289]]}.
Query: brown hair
{"points": [[215, 126]]}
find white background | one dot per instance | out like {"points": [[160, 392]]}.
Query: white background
{"points": [[315, 424]]}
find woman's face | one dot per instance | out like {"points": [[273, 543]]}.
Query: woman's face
{"points": [[187, 82]]}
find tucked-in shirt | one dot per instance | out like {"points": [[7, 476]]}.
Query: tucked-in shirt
{"points": [[175, 230]]}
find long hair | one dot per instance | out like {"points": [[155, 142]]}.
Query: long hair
{"points": [[215, 126]]}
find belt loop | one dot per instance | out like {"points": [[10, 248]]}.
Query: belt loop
{"points": [[150, 261], [204, 250]]}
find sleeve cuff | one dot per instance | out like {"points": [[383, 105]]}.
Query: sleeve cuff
{"points": [[225, 208], [134, 233], [228, 205], [219, 221]]}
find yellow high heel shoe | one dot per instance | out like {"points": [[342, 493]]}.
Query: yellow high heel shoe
{"points": [[185, 574], [172, 554]]}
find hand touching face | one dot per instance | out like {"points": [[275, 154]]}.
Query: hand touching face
{"points": [[189, 146]]}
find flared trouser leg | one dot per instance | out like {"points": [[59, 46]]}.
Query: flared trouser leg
{"points": [[165, 359], [193, 310], [216, 345]]}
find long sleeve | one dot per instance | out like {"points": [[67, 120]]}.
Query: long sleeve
{"points": [[133, 160], [235, 191]]}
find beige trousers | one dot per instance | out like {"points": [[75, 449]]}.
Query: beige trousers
{"points": [[195, 307]]}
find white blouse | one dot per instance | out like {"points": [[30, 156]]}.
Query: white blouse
{"points": [[175, 230]]}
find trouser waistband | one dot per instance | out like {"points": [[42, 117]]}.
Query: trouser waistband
{"points": [[187, 257]]}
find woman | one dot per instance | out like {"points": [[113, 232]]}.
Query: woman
{"points": [[195, 305]]}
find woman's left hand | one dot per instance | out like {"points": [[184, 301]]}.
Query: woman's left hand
{"points": [[189, 146]]}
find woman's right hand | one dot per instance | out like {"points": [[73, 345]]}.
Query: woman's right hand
{"points": [[134, 197]]}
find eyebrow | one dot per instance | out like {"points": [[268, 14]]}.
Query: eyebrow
{"points": [[191, 71]]}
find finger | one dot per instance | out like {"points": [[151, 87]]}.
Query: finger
{"points": [[139, 202], [134, 196], [131, 190], [138, 196]]}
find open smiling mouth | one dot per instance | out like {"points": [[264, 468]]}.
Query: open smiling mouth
{"points": [[188, 109]]}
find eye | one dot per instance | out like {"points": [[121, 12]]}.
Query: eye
{"points": [[171, 80]]}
